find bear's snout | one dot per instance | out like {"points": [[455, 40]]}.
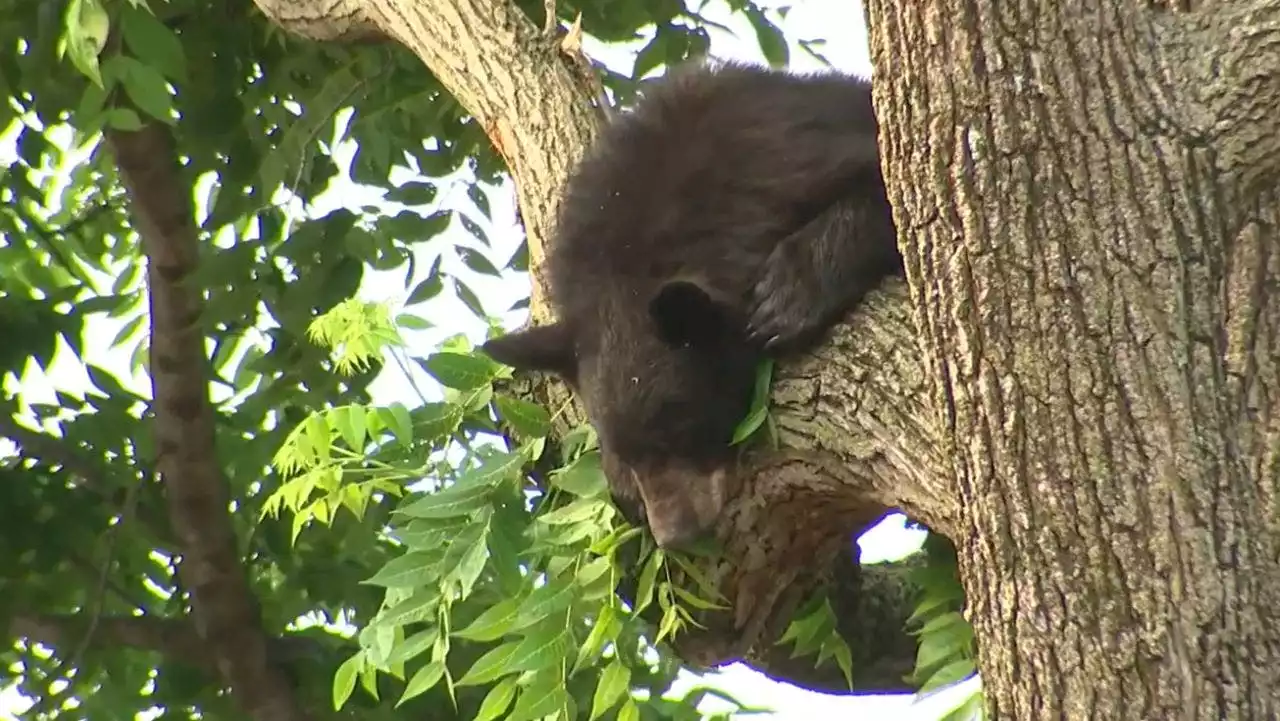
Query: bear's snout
{"points": [[682, 504]]}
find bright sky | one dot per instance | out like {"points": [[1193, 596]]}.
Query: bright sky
{"points": [[840, 23]]}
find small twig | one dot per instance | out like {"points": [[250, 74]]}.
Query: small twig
{"points": [[55, 452], [550, 23], [120, 592], [52, 451], [95, 614], [571, 48]]}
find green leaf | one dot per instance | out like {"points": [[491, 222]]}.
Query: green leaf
{"points": [[497, 700], [651, 55], [430, 535], [477, 196], [350, 421], [493, 471], [86, 26], [613, 684], [425, 290], [581, 510], [493, 623], [544, 696], [413, 322], [395, 417], [469, 298], [420, 606], [584, 477], [411, 570], [844, 659], [122, 119], [542, 647], [281, 163], [527, 419], [146, 87], [461, 372], [951, 623], [553, 597], [464, 559], [455, 500], [344, 679], [424, 679], [153, 43], [970, 710], [434, 421], [107, 383], [952, 672], [605, 630], [477, 262], [412, 647], [413, 193], [648, 577], [410, 227], [772, 42], [490, 666], [759, 403]]}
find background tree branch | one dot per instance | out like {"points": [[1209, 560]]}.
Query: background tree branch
{"points": [[223, 607], [174, 639], [58, 454]]}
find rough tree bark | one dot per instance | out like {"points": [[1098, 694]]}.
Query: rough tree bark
{"points": [[1090, 220], [1079, 382]]}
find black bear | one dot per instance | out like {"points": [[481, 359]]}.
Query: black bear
{"points": [[736, 211]]}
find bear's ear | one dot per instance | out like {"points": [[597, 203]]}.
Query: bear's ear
{"points": [[537, 348], [687, 315]]}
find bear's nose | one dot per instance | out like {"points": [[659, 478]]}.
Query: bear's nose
{"points": [[682, 505]]}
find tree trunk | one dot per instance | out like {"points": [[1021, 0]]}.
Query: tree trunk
{"points": [[1078, 384], [1089, 219]]}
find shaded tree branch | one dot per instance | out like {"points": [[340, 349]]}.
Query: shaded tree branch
{"points": [[223, 608], [172, 638], [57, 453]]}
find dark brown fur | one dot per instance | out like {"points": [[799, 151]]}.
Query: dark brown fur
{"points": [[735, 212]]}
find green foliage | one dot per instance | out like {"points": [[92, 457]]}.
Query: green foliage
{"points": [[758, 413], [947, 653], [521, 564], [813, 632]]}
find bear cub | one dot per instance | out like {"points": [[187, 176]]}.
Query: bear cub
{"points": [[735, 212]]}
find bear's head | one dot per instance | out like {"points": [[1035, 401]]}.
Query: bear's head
{"points": [[665, 383]]}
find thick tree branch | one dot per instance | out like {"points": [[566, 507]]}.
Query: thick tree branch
{"points": [[1234, 58], [223, 608], [857, 442]]}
